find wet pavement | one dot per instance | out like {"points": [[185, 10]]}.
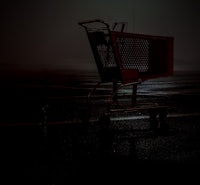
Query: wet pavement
{"points": [[43, 139], [69, 153]]}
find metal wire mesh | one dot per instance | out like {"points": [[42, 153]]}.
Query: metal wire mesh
{"points": [[134, 53]]}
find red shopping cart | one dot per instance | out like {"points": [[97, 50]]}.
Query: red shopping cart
{"points": [[129, 59]]}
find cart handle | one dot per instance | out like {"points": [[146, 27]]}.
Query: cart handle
{"points": [[123, 24], [82, 23]]}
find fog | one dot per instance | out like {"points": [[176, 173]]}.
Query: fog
{"points": [[38, 34]]}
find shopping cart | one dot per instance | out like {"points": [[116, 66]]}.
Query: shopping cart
{"points": [[128, 59]]}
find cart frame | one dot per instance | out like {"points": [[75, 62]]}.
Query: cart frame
{"points": [[129, 59]]}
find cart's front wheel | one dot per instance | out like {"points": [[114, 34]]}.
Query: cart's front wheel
{"points": [[153, 121]]}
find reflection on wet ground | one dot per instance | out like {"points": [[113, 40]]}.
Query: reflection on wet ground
{"points": [[42, 135]]}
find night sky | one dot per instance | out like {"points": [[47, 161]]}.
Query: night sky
{"points": [[37, 33]]}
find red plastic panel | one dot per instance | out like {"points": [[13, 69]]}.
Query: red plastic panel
{"points": [[151, 56]]}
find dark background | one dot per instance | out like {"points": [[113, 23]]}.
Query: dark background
{"points": [[41, 45], [45, 34]]}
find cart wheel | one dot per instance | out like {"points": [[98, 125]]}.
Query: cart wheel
{"points": [[84, 113], [153, 121], [84, 116], [104, 120], [164, 126]]}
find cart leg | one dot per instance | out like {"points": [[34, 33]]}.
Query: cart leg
{"points": [[115, 91], [153, 121], [164, 126], [134, 91]]}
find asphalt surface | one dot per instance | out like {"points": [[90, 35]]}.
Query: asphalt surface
{"points": [[43, 140]]}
